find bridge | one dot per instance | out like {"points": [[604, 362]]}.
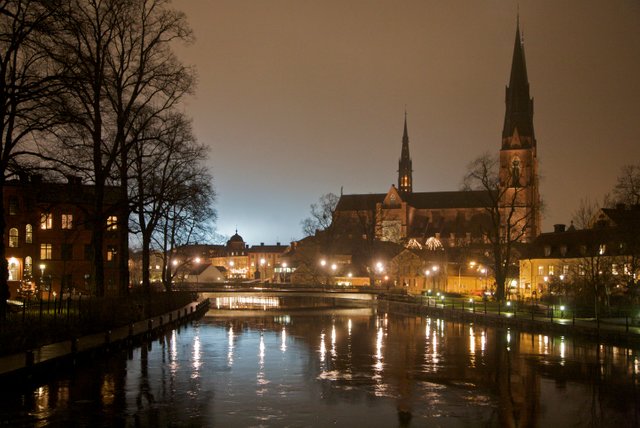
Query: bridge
{"points": [[281, 290]]}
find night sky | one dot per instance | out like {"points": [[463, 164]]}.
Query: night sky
{"points": [[297, 98]]}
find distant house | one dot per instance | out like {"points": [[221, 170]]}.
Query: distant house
{"points": [[608, 251]]}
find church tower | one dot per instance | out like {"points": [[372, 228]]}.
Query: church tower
{"points": [[518, 157], [405, 179]]}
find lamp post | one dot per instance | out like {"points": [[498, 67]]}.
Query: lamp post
{"points": [[334, 267], [434, 270], [42, 286]]}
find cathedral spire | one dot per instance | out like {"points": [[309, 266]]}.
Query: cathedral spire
{"points": [[405, 180], [519, 105]]}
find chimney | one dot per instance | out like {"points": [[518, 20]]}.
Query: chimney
{"points": [[559, 228], [278, 244], [262, 244]]}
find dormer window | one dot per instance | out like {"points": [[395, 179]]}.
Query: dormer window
{"points": [[547, 250]]}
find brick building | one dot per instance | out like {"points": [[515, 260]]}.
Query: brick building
{"points": [[48, 237]]}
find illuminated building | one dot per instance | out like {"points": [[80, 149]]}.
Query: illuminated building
{"points": [[48, 237], [458, 218]]}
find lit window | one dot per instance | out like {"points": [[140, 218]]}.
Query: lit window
{"points": [[28, 266], [614, 269], [602, 249], [540, 270], [13, 237], [45, 251], [112, 222], [581, 270], [13, 270], [67, 221], [111, 253], [28, 234], [46, 221], [565, 269], [552, 269]]}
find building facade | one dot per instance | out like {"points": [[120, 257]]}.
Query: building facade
{"points": [[49, 237]]}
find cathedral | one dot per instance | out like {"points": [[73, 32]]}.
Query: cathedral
{"points": [[459, 218]]}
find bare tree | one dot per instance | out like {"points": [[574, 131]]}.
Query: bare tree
{"points": [[146, 81], [119, 71], [188, 216], [509, 216], [165, 158], [321, 214], [26, 79], [627, 189]]}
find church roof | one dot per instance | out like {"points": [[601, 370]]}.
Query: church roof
{"points": [[419, 200], [362, 202], [443, 200]]}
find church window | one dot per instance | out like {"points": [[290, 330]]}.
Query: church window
{"points": [[515, 172]]}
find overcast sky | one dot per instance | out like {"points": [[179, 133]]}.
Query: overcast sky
{"points": [[297, 98]]}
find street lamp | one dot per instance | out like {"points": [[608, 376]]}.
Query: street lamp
{"points": [[42, 268]]}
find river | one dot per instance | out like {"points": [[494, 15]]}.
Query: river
{"points": [[266, 364]]}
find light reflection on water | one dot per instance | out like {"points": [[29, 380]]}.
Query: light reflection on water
{"points": [[343, 370]]}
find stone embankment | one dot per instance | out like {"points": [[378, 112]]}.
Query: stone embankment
{"points": [[33, 362], [614, 331]]}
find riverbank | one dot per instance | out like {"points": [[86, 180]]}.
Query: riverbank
{"points": [[613, 331], [34, 361]]}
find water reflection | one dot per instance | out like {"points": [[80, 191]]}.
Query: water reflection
{"points": [[344, 369]]}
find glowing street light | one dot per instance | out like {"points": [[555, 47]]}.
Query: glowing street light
{"points": [[323, 262]]}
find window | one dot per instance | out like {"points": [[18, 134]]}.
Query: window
{"points": [[547, 250], [614, 269], [46, 221], [581, 270], [552, 269], [111, 253], [13, 205], [13, 237], [45, 251], [28, 266], [565, 269], [602, 249], [28, 234], [112, 222], [88, 252], [540, 270], [67, 221], [13, 270], [66, 251]]}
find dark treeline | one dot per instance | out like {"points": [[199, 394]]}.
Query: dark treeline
{"points": [[92, 89]]}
